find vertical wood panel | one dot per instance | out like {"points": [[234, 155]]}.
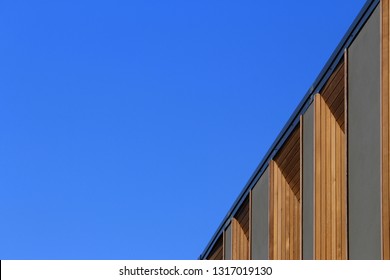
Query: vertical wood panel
{"points": [[329, 178], [338, 198], [287, 229], [332, 196], [285, 190], [217, 252], [329, 164], [223, 245], [241, 232], [322, 188], [301, 187], [276, 216], [282, 228], [295, 231], [290, 225], [279, 215], [317, 177], [271, 212], [250, 226]]}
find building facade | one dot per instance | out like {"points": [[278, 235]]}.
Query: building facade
{"points": [[323, 189]]}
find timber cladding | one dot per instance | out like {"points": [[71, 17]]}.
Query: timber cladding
{"points": [[285, 210], [240, 234], [385, 65], [330, 217], [330, 206], [217, 252], [323, 189], [333, 95]]}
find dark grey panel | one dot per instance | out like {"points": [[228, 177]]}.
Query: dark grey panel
{"points": [[228, 243], [259, 246], [308, 184], [364, 142]]}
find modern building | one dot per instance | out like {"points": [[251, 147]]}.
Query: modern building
{"points": [[322, 190]]}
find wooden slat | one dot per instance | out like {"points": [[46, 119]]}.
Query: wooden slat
{"points": [[317, 176], [289, 224], [339, 115], [282, 229], [329, 178], [333, 93], [337, 96], [250, 226], [241, 224], [323, 181], [333, 81], [234, 239], [290, 142], [275, 206], [299, 231], [285, 221], [223, 245], [338, 108], [285, 156], [301, 187], [343, 200], [279, 231], [293, 180], [271, 212], [290, 170], [217, 252], [294, 185], [328, 164], [338, 194], [333, 187]]}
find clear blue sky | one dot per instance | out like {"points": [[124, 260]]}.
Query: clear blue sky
{"points": [[128, 128]]}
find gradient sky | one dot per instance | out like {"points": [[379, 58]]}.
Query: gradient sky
{"points": [[128, 128]]}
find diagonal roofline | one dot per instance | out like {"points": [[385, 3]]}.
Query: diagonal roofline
{"points": [[319, 82]]}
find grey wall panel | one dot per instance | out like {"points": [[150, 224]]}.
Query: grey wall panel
{"points": [[364, 142], [308, 184], [259, 246], [228, 243]]}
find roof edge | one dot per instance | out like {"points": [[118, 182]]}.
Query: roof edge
{"points": [[292, 122]]}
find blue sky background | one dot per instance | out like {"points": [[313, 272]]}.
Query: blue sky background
{"points": [[128, 128]]}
